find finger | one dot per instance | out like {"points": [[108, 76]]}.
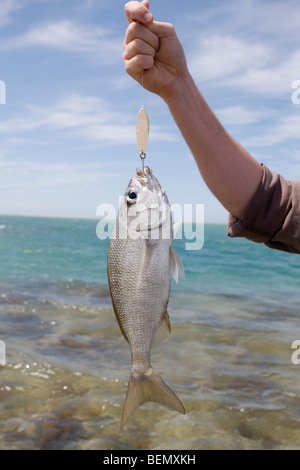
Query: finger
{"points": [[136, 11], [135, 66], [137, 46], [137, 31], [161, 29]]}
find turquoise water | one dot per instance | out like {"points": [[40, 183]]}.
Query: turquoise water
{"points": [[228, 357]]}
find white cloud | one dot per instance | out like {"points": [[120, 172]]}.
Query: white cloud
{"points": [[7, 7], [256, 68], [69, 36], [28, 173], [250, 45], [275, 18], [240, 115], [273, 80], [82, 117], [250, 18], [218, 57], [285, 130], [123, 82]]}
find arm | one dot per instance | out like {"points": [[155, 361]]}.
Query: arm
{"points": [[228, 169], [153, 49]]}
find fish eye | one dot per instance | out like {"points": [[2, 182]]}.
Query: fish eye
{"points": [[132, 196]]}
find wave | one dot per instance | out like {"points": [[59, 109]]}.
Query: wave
{"points": [[69, 292]]}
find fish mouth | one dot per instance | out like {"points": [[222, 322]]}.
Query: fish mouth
{"points": [[142, 176], [146, 171], [145, 177]]}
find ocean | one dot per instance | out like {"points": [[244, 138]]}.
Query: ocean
{"points": [[228, 358]]}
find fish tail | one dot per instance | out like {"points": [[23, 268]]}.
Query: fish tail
{"points": [[148, 387]]}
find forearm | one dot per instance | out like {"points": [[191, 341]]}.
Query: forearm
{"points": [[229, 171]]}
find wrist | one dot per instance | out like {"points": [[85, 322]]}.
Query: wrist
{"points": [[182, 84]]}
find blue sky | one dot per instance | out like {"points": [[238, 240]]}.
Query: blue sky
{"points": [[67, 130]]}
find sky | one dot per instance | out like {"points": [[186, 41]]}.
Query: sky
{"points": [[68, 125]]}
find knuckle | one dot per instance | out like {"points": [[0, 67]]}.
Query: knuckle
{"points": [[132, 27], [171, 29], [136, 45], [143, 62], [130, 34], [138, 61], [125, 53], [132, 49], [128, 67], [150, 62]]}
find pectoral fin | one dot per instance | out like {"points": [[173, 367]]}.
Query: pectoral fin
{"points": [[176, 266], [176, 227]]}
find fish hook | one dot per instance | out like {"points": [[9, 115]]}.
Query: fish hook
{"points": [[142, 157]]}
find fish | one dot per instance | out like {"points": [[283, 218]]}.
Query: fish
{"points": [[141, 261]]}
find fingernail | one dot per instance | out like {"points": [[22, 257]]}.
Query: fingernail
{"points": [[147, 16]]}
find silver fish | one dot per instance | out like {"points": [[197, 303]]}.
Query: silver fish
{"points": [[141, 261]]}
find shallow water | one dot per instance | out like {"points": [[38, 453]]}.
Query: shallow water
{"points": [[228, 357]]}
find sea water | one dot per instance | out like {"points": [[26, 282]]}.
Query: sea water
{"points": [[228, 358]]}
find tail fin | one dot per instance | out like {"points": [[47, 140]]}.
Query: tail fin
{"points": [[148, 387]]}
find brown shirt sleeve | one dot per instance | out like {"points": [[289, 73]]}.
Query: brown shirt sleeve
{"points": [[273, 215]]}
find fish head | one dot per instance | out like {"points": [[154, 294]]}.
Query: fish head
{"points": [[144, 188], [146, 202]]}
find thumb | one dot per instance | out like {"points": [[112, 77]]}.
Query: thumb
{"points": [[136, 11], [161, 29]]}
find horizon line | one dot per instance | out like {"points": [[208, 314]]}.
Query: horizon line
{"points": [[81, 218]]}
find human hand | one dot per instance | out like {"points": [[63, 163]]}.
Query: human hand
{"points": [[152, 51]]}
